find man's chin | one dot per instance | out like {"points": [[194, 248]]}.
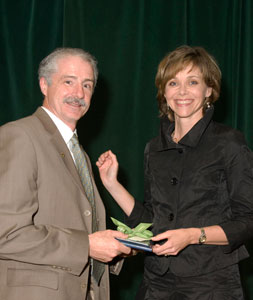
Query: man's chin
{"points": [[76, 112]]}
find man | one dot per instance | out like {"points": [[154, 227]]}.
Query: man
{"points": [[49, 248]]}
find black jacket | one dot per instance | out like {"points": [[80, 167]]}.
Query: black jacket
{"points": [[206, 179]]}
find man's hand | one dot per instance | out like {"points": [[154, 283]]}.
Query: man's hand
{"points": [[104, 247]]}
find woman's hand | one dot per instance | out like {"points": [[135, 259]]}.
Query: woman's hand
{"points": [[108, 168], [175, 240], [178, 239]]}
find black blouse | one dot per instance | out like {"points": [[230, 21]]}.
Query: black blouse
{"points": [[206, 179]]}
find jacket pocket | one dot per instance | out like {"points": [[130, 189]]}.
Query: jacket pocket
{"points": [[29, 277]]}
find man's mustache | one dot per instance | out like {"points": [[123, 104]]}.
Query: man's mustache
{"points": [[74, 100]]}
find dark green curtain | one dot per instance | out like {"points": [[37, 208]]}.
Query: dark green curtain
{"points": [[29, 30], [128, 38]]}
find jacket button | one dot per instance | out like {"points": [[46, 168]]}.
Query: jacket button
{"points": [[174, 181], [87, 213], [180, 150], [171, 217]]}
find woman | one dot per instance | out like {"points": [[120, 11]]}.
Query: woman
{"points": [[198, 187]]}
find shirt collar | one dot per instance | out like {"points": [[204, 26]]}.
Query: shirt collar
{"points": [[64, 129]]}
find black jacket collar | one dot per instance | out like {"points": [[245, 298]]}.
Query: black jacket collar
{"points": [[191, 139]]}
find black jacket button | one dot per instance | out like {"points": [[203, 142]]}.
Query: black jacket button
{"points": [[171, 216], [174, 181]]}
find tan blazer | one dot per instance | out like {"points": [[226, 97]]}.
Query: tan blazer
{"points": [[45, 217]]}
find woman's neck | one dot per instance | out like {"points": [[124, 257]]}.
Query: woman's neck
{"points": [[182, 127]]}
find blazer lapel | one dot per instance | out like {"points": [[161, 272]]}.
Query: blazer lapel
{"points": [[59, 144]]}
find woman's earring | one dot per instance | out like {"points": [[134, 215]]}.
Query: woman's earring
{"points": [[208, 105]]}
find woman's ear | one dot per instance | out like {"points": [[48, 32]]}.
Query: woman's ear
{"points": [[209, 92]]}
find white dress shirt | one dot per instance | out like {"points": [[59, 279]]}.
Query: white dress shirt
{"points": [[64, 129]]}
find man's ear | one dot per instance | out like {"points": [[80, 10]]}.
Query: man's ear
{"points": [[43, 86]]}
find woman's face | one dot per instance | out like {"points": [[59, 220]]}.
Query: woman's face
{"points": [[185, 94]]}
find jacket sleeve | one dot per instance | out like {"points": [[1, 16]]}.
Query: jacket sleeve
{"points": [[20, 238], [239, 173]]}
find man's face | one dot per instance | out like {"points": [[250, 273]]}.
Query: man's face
{"points": [[73, 81]]}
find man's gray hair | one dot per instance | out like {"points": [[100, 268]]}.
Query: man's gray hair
{"points": [[48, 65]]}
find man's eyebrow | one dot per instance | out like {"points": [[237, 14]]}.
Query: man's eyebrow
{"points": [[68, 76], [75, 77], [88, 79]]}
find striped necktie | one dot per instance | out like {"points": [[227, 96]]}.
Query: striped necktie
{"points": [[82, 167]]}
